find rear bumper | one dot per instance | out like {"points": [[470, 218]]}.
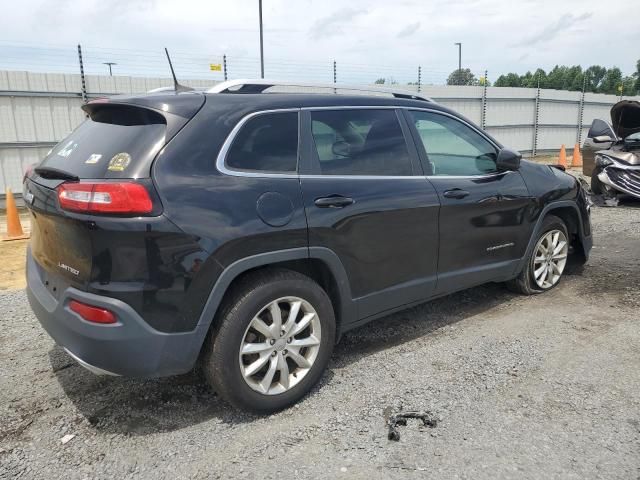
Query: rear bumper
{"points": [[129, 348]]}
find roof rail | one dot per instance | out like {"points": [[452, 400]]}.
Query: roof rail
{"points": [[260, 85], [173, 89]]}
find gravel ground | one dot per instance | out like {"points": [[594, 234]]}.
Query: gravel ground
{"points": [[523, 387]]}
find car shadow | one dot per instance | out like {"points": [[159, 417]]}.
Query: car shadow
{"points": [[142, 407], [629, 201], [419, 321]]}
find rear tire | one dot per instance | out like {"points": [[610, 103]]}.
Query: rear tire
{"points": [[543, 272], [291, 356]]}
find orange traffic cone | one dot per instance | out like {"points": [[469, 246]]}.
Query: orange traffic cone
{"points": [[563, 156], [576, 161], [14, 228]]}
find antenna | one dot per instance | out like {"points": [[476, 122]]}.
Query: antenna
{"points": [[178, 88]]}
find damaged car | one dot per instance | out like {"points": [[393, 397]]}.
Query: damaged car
{"points": [[611, 152]]}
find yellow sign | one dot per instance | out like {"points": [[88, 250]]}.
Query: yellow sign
{"points": [[215, 67], [620, 87]]}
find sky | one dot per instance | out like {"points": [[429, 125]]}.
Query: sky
{"points": [[366, 38]]}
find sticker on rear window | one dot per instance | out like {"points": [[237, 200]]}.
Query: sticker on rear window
{"points": [[94, 158], [67, 149], [119, 162]]}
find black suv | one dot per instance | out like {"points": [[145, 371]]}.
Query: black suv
{"points": [[245, 231]]}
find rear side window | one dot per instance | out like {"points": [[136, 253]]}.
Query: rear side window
{"points": [[266, 143], [360, 142], [113, 143]]}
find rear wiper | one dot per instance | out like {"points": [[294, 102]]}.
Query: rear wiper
{"points": [[55, 174]]}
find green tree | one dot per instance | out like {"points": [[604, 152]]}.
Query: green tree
{"points": [[462, 77], [387, 81], [611, 81], [539, 77], [557, 77], [636, 75], [526, 80], [594, 74], [629, 85], [509, 80], [595, 79], [577, 82]]}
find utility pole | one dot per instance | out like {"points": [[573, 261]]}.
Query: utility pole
{"points": [[109, 64], [459, 57], [261, 41]]}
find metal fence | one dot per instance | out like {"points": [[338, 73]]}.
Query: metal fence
{"points": [[39, 109]]}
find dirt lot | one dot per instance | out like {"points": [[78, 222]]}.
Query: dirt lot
{"points": [[12, 255], [524, 387], [12, 271]]}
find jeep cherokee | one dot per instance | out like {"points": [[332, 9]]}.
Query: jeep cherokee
{"points": [[245, 231]]}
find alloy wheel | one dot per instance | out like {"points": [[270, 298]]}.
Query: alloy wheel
{"points": [[280, 345], [550, 258]]}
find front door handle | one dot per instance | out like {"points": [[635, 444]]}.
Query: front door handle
{"points": [[333, 201], [456, 193]]}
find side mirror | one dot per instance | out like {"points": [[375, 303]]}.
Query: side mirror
{"points": [[508, 160], [341, 149], [602, 139]]}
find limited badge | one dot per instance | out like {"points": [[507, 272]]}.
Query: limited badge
{"points": [[119, 162], [94, 158]]}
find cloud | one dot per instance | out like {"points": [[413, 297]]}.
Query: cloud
{"points": [[408, 30], [302, 38], [333, 24], [551, 31]]}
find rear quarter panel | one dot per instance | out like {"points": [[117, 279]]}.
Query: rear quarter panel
{"points": [[220, 211]]}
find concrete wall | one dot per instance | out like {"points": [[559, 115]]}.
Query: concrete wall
{"points": [[37, 110]]}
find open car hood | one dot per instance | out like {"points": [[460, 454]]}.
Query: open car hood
{"points": [[625, 118]]}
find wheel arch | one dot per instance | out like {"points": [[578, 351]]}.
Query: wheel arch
{"points": [[569, 213], [320, 264]]}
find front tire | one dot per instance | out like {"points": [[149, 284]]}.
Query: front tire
{"points": [[273, 343], [546, 262]]}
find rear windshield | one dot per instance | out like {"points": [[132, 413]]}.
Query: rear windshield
{"points": [[116, 142]]}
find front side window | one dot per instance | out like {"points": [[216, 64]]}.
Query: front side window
{"points": [[452, 147], [360, 142], [266, 143]]}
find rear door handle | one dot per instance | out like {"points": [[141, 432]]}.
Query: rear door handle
{"points": [[456, 193], [333, 201]]}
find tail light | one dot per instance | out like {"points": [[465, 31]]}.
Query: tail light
{"points": [[92, 314], [105, 197]]}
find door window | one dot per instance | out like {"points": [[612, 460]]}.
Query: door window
{"points": [[360, 142], [452, 147], [266, 143]]}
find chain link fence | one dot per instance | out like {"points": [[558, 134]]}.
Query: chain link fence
{"points": [[214, 67]]}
